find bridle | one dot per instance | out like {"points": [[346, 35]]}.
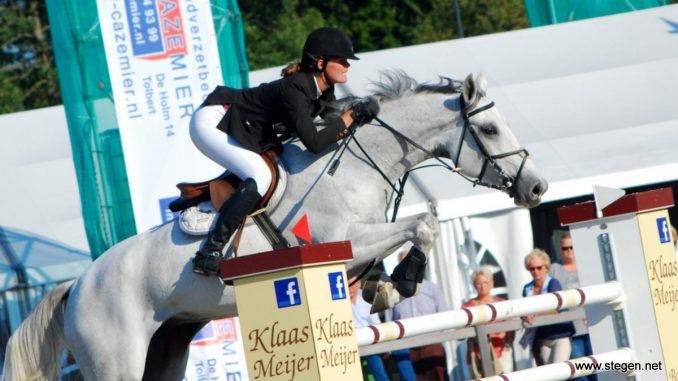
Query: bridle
{"points": [[508, 183]]}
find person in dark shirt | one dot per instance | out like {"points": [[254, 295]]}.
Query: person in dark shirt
{"points": [[234, 126]]}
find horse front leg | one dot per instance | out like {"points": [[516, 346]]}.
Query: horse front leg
{"points": [[376, 241]]}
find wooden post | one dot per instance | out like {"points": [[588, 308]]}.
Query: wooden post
{"points": [[295, 313]]}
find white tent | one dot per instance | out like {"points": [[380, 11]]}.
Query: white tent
{"points": [[593, 101]]}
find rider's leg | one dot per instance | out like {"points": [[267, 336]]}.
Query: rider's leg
{"points": [[248, 165], [226, 151], [242, 202]]}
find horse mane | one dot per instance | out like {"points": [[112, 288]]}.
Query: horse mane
{"points": [[396, 84]]}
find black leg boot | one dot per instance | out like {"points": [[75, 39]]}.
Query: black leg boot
{"points": [[242, 202], [409, 272]]}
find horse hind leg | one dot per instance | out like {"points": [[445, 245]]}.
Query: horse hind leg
{"points": [[109, 342], [168, 351], [34, 350]]}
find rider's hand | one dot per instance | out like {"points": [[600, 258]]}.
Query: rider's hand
{"points": [[365, 110]]}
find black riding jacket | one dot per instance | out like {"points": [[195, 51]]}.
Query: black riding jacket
{"points": [[292, 101]]}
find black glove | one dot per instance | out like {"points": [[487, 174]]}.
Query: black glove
{"points": [[365, 110]]}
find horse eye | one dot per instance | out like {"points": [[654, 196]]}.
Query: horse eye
{"points": [[488, 130]]}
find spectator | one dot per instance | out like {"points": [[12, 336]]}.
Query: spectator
{"points": [[552, 342], [375, 363], [501, 342], [566, 274], [430, 362]]}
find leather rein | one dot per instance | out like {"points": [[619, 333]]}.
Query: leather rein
{"points": [[508, 183]]}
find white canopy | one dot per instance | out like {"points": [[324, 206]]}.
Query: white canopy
{"points": [[593, 101]]}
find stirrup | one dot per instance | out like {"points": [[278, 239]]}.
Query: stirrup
{"points": [[207, 264]]}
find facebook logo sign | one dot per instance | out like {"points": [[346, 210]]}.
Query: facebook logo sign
{"points": [[664, 231], [337, 285], [287, 292]]}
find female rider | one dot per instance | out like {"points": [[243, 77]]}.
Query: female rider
{"points": [[244, 122]]}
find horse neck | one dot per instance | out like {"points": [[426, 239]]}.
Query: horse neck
{"points": [[414, 117]]}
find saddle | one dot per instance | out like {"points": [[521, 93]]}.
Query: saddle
{"points": [[215, 192], [220, 189]]}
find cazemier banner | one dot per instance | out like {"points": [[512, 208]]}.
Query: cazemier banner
{"points": [[163, 60]]}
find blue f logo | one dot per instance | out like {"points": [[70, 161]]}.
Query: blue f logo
{"points": [[664, 231], [287, 292], [337, 285]]}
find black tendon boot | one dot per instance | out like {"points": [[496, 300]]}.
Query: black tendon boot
{"points": [[409, 272], [243, 201]]}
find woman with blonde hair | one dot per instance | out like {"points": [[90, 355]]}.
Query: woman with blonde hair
{"points": [[501, 342], [551, 342]]}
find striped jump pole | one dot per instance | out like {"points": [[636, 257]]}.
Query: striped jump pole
{"points": [[610, 292], [621, 360]]}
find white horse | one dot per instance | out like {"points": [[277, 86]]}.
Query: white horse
{"points": [[133, 313]]}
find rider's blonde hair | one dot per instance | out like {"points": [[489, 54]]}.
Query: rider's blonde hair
{"points": [[291, 68]]}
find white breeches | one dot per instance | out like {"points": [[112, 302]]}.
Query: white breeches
{"points": [[224, 150]]}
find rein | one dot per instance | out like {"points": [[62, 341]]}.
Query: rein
{"points": [[508, 183]]}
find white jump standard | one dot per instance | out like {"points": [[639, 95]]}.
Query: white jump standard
{"points": [[631, 244]]}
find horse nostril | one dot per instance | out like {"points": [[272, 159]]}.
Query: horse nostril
{"points": [[540, 188], [537, 190]]}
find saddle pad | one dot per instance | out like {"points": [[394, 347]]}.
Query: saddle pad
{"points": [[197, 220]]}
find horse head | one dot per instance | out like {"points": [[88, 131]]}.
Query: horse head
{"points": [[457, 121], [489, 152]]}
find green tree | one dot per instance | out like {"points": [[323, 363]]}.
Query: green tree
{"points": [[27, 71], [274, 38]]}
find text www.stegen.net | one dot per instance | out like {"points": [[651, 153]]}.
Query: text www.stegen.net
{"points": [[618, 366]]}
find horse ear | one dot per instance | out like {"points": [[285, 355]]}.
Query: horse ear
{"points": [[470, 90]]}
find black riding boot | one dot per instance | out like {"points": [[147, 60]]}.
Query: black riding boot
{"points": [[242, 202]]}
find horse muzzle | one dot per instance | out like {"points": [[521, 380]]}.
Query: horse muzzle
{"points": [[528, 193]]}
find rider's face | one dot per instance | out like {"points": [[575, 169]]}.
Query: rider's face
{"points": [[337, 70]]}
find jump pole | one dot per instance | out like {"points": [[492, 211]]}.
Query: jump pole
{"points": [[629, 241], [608, 293], [295, 313], [623, 358]]}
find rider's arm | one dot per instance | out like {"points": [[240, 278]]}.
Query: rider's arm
{"points": [[296, 104]]}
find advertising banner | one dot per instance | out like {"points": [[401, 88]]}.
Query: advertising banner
{"points": [[216, 353], [163, 60]]}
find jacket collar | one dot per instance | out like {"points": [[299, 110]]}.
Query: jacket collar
{"points": [[314, 89]]}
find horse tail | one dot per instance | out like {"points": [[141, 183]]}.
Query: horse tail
{"points": [[33, 352]]}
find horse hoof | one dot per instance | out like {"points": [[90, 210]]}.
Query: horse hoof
{"points": [[370, 291], [387, 297]]}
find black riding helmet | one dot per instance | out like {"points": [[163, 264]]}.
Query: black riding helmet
{"points": [[326, 43]]}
